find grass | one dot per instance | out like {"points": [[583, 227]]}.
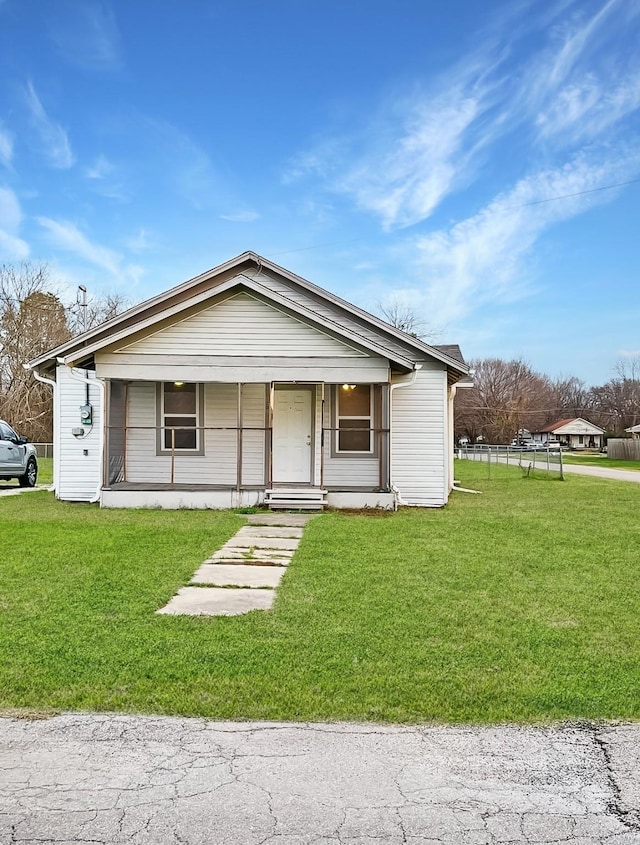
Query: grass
{"points": [[45, 474], [522, 604]]}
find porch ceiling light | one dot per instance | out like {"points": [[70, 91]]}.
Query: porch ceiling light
{"points": [[348, 387], [178, 384]]}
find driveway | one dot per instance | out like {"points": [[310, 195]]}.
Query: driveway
{"points": [[603, 472], [129, 779], [16, 490]]}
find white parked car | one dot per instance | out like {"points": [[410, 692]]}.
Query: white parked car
{"points": [[18, 457]]}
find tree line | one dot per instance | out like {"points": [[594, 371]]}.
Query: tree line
{"points": [[33, 319], [508, 396]]}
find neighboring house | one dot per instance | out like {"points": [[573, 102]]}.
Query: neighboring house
{"points": [[248, 384], [575, 433], [634, 431]]}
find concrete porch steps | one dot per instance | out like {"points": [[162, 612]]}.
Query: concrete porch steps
{"points": [[295, 498]]}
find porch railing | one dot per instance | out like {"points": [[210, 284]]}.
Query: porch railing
{"points": [[118, 447]]}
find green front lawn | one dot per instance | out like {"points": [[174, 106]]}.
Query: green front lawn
{"points": [[522, 604]]}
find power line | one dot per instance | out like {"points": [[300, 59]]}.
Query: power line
{"points": [[578, 193]]}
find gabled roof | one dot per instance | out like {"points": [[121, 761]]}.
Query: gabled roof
{"points": [[343, 319], [563, 426]]}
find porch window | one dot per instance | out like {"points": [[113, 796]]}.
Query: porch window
{"points": [[354, 416], [180, 415]]}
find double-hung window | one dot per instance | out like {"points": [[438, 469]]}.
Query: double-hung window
{"points": [[180, 413], [354, 415]]}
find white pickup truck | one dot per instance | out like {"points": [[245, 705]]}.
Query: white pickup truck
{"points": [[17, 457]]}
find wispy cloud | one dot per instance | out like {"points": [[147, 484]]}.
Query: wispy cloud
{"points": [[12, 247], [139, 242], [482, 258], [106, 179], [100, 169], [6, 147], [540, 77], [65, 235], [241, 216], [52, 138], [87, 36]]}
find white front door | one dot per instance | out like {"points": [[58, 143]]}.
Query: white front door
{"points": [[292, 436]]}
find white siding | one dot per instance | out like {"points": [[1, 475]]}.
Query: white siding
{"points": [[78, 474], [218, 465], [332, 312], [254, 411], [208, 368], [342, 471], [242, 325], [419, 439]]}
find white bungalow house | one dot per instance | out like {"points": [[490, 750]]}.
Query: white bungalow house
{"points": [[575, 433], [634, 431], [249, 384]]}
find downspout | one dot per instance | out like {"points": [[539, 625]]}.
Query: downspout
{"points": [[397, 494], [56, 446], [103, 403]]}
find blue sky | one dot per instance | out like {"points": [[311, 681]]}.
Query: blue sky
{"points": [[385, 150]]}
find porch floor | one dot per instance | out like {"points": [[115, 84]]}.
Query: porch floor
{"points": [[153, 486]]}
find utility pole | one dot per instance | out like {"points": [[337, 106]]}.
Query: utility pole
{"points": [[82, 302]]}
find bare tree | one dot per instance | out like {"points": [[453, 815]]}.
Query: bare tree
{"points": [[507, 396], [405, 317], [32, 320], [617, 402], [97, 310]]}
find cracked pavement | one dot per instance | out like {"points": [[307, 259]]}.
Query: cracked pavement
{"points": [[136, 779]]}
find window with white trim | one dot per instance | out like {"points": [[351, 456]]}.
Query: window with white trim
{"points": [[354, 415], [180, 412]]}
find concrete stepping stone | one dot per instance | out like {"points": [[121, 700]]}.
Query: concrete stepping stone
{"points": [[270, 531], [245, 571], [217, 601], [281, 557], [262, 543], [237, 575]]}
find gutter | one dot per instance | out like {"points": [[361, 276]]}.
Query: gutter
{"points": [[103, 391], [397, 494], [52, 384]]}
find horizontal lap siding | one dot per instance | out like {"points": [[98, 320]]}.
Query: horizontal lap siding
{"points": [[418, 439], [334, 313], [218, 465], [242, 325], [79, 474], [254, 399]]}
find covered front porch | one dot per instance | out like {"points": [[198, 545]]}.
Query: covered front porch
{"points": [[221, 444]]}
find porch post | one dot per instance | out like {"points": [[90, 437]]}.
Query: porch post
{"points": [[385, 440], [322, 438], [239, 440], [107, 432], [124, 432], [270, 435]]}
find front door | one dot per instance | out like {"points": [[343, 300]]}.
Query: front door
{"points": [[292, 436]]}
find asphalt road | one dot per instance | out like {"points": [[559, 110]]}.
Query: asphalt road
{"points": [[127, 779]]}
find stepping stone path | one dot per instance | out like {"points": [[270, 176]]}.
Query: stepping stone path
{"points": [[244, 573]]}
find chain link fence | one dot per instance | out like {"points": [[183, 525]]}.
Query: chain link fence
{"points": [[531, 461]]}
